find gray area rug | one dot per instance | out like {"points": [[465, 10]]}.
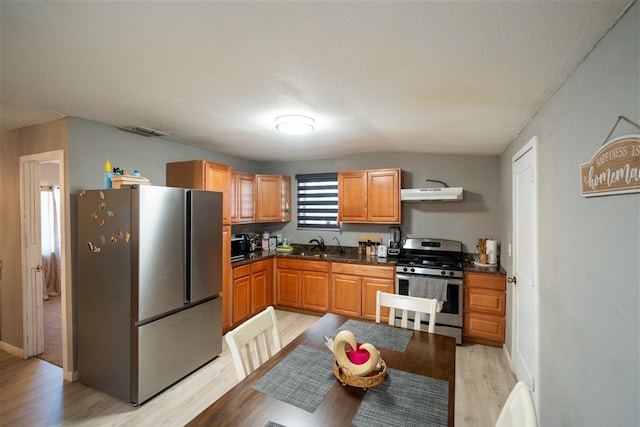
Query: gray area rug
{"points": [[383, 336], [405, 399], [291, 381]]}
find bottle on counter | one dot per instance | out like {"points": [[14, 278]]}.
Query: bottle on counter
{"points": [[476, 254], [107, 174]]}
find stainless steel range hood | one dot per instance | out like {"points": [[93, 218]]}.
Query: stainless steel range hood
{"points": [[446, 194]]}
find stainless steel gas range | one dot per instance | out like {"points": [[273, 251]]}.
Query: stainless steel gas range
{"points": [[425, 268]]}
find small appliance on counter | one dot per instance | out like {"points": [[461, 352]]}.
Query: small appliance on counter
{"points": [[395, 241]]}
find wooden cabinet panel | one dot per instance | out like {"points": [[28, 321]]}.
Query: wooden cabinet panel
{"points": [[285, 198], [383, 272], [268, 197], [383, 196], [227, 280], [485, 301], [369, 196], [346, 295], [488, 281], [352, 196], [242, 198], [484, 308], [370, 287], [190, 174], [301, 264], [273, 198], [485, 326], [259, 291], [218, 178], [241, 298], [288, 288], [315, 290]]}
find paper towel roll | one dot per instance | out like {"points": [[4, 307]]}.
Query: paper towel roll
{"points": [[492, 251]]}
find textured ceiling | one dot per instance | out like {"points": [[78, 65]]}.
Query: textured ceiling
{"points": [[428, 77]]}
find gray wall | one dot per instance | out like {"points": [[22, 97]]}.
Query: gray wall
{"points": [[476, 216], [32, 140], [589, 247]]}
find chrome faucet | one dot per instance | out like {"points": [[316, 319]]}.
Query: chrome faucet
{"points": [[339, 245], [319, 243]]}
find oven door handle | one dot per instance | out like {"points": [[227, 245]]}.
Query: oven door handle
{"points": [[451, 280], [403, 276]]}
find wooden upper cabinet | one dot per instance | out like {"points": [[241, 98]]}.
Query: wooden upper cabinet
{"points": [[273, 198], [383, 196], [369, 196], [203, 175], [352, 196], [242, 198]]}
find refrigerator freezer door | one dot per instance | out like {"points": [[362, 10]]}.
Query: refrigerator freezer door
{"points": [[104, 292], [158, 237], [205, 268], [172, 347]]}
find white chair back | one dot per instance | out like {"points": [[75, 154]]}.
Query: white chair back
{"points": [[405, 304], [254, 342], [518, 410]]}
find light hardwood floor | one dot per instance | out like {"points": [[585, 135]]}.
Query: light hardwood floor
{"points": [[33, 392]]}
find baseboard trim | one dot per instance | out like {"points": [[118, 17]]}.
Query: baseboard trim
{"points": [[505, 350], [12, 350]]}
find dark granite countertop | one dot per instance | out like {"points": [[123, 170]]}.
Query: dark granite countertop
{"points": [[470, 267], [331, 254], [350, 255]]}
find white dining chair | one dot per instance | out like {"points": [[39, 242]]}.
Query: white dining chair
{"points": [[405, 304], [258, 337], [518, 410]]}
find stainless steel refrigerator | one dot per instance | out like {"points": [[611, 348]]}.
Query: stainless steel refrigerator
{"points": [[149, 279]]}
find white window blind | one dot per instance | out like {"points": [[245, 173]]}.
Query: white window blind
{"points": [[318, 200]]}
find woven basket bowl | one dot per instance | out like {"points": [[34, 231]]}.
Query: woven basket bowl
{"points": [[373, 379]]}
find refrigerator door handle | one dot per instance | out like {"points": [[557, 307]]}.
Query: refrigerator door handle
{"points": [[187, 247]]}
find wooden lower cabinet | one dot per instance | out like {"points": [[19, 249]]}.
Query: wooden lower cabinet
{"points": [[261, 285], [302, 284], [241, 293], [315, 290], [484, 308], [354, 288], [370, 288], [252, 289], [288, 284], [346, 294]]}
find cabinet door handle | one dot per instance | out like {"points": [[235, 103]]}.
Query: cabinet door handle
{"points": [[512, 279]]}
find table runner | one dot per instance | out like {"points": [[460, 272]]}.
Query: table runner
{"points": [[383, 336], [299, 378], [405, 399]]}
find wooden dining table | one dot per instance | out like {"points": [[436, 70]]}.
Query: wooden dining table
{"points": [[426, 354]]}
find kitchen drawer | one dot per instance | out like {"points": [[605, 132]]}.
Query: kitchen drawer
{"points": [[300, 264], [241, 271], [484, 326], [488, 281], [382, 272], [484, 301]]}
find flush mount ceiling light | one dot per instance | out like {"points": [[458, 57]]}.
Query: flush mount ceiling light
{"points": [[294, 124]]}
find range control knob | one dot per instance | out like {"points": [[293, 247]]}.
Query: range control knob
{"points": [[451, 273], [404, 269], [442, 273], [413, 270]]}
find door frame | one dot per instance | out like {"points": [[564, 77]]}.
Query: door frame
{"points": [[531, 145], [29, 292]]}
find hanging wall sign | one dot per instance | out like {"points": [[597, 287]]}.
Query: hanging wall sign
{"points": [[613, 169]]}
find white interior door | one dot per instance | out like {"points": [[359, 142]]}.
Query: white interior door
{"points": [[33, 338], [525, 266]]}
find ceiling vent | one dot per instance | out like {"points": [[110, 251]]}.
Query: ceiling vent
{"points": [[145, 131]]}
